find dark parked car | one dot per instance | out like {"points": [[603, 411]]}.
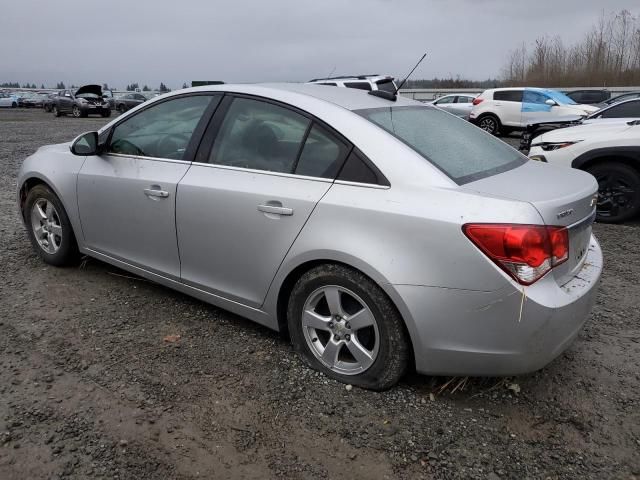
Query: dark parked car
{"points": [[626, 109], [33, 100], [620, 98], [589, 97], [128, 101], [87, 100]]}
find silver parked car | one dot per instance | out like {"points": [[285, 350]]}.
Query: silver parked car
{"points": [[457, 103], [379, 233]]}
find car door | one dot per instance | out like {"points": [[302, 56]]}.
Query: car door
{"points": [[534, 106], [65, 101], [249, 193], [127, 195], [508, 105]]}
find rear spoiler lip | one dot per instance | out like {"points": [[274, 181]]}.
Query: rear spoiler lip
{"points": [[546, 125]]}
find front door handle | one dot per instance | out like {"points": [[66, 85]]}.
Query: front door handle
{"points": [[275, 209], [152, 192]]}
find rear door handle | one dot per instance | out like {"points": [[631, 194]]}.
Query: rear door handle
{"points": [[151, 192], [275, 209]]}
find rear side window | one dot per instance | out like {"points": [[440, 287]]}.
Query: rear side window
{"points": [[508, 95], [462, 151], [322, 154], [356, 170], [624, 110], [260, 136], [465, 99], [358, 85], [386, 85]]}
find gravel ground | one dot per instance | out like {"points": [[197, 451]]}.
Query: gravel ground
{"points": [[89, 388]]}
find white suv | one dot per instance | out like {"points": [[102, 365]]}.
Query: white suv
{"points": [[610, 151], [362, 82], [501, 110]]}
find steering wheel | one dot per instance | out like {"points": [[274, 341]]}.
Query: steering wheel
{"points": [[173, 145]]}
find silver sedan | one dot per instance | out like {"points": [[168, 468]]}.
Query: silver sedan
{"points": [[378, 232], [459, 104]]}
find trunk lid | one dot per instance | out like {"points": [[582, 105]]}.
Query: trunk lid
{"points": [[563, 197]]}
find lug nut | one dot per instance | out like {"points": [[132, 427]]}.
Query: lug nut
{"points": [[347, 337], [336, 338], [330, 324], [348, 325]]}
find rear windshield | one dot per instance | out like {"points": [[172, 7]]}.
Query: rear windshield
{"points": [[461, 150]]}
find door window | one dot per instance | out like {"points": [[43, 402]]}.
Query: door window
{"points": [[358, 85], [508, 95], [162, 131], [322, 155], [259, 135], [623, 110], [445, 100]]}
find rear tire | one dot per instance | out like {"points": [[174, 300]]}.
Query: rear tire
{"points": [[490, 124], [357, 338], [14, 105], [49, 227], [618, 192]]}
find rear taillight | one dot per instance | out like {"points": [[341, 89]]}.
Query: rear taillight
{"points": [[526, 252], [477, 101]]}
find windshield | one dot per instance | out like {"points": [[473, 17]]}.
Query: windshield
{"points": [[559, 97], [461, 150], [87, 95]]}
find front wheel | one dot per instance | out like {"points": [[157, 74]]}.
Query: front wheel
{"points": [[14, 105], [76, 112], [56, 112], [345, 326], [49, 227], [618, 192], [106, 113]]}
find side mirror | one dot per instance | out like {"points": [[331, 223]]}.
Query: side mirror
{"points": [[551, 103], [85, 144]]}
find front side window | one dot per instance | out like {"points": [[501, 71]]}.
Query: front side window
{"points": [[462, 99], [623, 110], [260, 136], [163, 130], [445, 100], [462, 151], [532, 96]]}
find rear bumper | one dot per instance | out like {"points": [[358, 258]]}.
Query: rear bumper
{"points": [[463, 332]]}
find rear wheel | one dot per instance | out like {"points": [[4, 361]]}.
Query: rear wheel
{"points": [[618, 192], [490, 124], [49, 227], [14, 105], [345, 326]]}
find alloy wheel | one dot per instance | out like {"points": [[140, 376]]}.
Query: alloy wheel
{"points": [[46, 225], [340, 330], [76, 112], [616, 195], [488, 124]]}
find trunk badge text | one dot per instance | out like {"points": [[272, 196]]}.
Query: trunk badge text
{"points": [[565, 213]]}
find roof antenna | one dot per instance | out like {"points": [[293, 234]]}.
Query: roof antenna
{"points": [[393, 96], [331, 73]]}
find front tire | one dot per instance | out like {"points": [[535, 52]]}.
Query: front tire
{"points": [[49, 227], [106, 113], [76, 112], [56, 112], [490, 124], [345, 326], [14, 105], [618, 192]]}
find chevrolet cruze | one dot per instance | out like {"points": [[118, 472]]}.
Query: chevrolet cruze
{"points": [[381, 233]]}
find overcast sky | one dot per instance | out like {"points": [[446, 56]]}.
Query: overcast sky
{"points": [[119, 42]]}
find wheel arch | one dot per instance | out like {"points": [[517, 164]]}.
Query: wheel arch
{"points": [[34, 180], [628, 155], [288, 280]]}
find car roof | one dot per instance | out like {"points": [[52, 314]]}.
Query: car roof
{"points": [[373, 77], [348, 98]]}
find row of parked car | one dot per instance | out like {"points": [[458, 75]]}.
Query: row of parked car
{"points": [[88, 99], [585, 129]]}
